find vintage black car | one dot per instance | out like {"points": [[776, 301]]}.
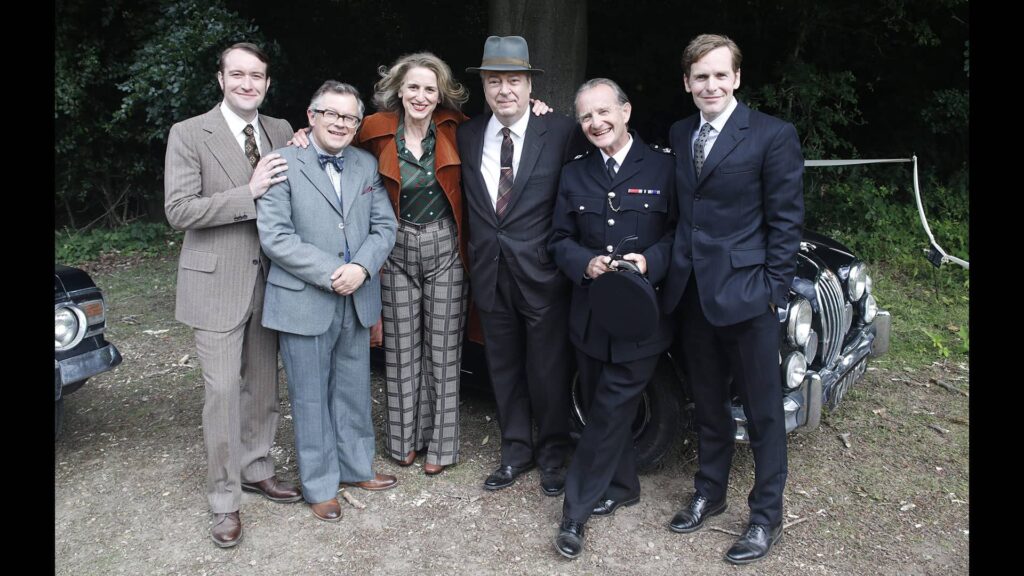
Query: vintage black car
{"points": [[834, 325], [79, 349]]}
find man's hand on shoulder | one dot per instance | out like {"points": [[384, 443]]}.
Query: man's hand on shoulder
{"points": [[300, 139], [269, 171]]}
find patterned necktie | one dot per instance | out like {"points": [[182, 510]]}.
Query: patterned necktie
{"points": [[338, 161], [505, 178], [612, 168], [252, 152], [698, 147]]}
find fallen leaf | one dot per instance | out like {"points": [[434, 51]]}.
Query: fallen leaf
{"points": [[486, 438], [845, 437]]}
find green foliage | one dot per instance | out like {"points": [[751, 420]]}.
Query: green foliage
{"points": [[149, 238], [124, 71], [818, 103], [172, 75]]}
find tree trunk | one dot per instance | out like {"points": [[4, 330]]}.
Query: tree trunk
{"points": [[557, 35]]}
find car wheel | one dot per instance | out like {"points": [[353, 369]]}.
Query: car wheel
{"points": [[58, 418], [656, 424]]}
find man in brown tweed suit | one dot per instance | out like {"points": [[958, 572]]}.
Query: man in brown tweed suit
{"points": [[213, 175]]}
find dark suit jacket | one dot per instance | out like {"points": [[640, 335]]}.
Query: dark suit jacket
{"points": [[522, 235], [740, 223], [586, 225]]}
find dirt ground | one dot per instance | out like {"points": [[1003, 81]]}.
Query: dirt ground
{"points": [[882, 487]]}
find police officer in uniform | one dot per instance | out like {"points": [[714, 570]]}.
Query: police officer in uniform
{"points": [[614, 203]]}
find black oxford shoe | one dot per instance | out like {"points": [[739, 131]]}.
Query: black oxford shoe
{"points": [[552, 481], [692, 517], [755, 544], [608, 506], [569, 541], [505, 476]]}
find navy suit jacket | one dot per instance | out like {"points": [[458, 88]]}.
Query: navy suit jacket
{"points": [[587, 224], [522, 234], [740, 223]]}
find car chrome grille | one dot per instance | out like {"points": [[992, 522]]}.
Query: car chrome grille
{"points": [[830, 297]]}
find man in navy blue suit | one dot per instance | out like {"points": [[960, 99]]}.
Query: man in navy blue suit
{"points": [[739, 175]]}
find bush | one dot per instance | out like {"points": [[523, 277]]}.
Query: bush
{"points": [[149, 238]]}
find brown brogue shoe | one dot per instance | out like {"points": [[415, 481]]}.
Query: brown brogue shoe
{"points": [[433, 469], [226, 530], [329, 511], [379, 482], [274, 489], [409, 459]]}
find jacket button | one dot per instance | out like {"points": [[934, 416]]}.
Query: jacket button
{"points": [[609, 248], [582, 208], [697, 228], [698, 197], [611, 194], [611, 222], [646, 205], [256, 262], [341, 225]]}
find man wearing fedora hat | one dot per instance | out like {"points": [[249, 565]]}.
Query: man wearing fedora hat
{"points": [[618, 201], [510, 166]]}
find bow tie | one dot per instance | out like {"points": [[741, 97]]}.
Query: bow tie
{"points": [[338, 161]]}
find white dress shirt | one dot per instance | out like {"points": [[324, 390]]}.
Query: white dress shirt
{"points": [[716, 127], [490, 164], [237, 125]]}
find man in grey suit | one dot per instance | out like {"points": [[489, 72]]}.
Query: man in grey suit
{"points": [[328, 228], [511, 162], [214, 173]]}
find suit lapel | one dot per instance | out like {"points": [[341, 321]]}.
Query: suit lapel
{"points": [[471, 166], [224, 147], [631, 164], [351, 180], [533, 144], [687, 152], [317, 176], [734, 131]]}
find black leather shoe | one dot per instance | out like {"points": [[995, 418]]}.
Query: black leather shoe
{"points": [[692, 517], [608, 506], [569, 541], [755, 544], [505, 476], [552, 481]]}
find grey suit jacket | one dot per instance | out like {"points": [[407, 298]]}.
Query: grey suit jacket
{"points": [[206, 194], [302, 230]]}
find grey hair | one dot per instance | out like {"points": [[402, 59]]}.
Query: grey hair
{"points": [[335, 87], [620, 94]]}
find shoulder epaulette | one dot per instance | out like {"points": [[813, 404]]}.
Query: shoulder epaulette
{"points": [[657, 148]]}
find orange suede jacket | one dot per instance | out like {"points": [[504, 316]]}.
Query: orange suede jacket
{"points": [[378, 136]]}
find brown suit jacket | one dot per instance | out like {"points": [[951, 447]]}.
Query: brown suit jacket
{"points": [[206, 188]]}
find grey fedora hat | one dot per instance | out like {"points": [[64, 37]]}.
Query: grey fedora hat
{"points": [[506, 54]]}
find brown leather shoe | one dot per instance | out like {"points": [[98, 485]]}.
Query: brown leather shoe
{"points": [[226, 530], [379, 482], [329, 511], [433, 469], [274, 489], [409, 459]]}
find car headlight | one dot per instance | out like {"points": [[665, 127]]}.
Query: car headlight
{"points": [[796, 368], [68, 328], [799, 324], [868, 309], [857, 281], [811, 347]]}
